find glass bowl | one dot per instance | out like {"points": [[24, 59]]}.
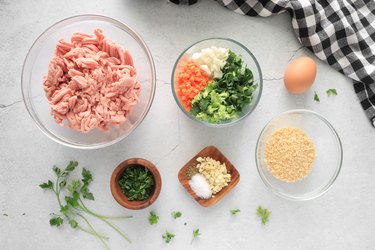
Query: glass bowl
{"points": [[36, 66], [248, 58], [326, 166]]}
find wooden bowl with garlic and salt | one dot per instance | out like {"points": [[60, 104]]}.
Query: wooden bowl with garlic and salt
{"points": [[208, 176]]}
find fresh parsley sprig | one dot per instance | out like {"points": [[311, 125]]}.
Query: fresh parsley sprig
{"points": [[196, 234], [264, 214], [168, 236], [153, 218], [316, 97], [72, 206], [331, 92], [235, 211], [176, 214]]}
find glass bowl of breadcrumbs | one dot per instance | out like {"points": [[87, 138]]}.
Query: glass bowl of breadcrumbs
{"points": [[299, 155]]}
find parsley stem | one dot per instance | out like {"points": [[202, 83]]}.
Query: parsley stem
{"points": [[86, 209], [57, 191], [116, 229], [93, 233], [92, 228]]}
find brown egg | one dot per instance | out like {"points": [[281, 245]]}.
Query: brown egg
{"points": [[300, 75]]}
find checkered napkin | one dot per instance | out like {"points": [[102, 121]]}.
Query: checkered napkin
{"points": [[340, 33]]}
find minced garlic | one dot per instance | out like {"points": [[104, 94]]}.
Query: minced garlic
{"points": [[215, 172], [290, 154]]}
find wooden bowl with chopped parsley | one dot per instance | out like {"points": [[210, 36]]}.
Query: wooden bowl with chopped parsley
{"points": [[135, 183]]}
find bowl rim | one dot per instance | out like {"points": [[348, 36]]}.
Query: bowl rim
{"points": [[326, 187], [41, 39], [116, 190], [219, 125]]}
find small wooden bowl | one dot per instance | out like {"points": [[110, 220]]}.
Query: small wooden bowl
{"points": [[215, 154], [116, 190]]}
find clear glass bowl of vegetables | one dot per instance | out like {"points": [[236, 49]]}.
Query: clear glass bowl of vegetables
{"points": [[217, 82]]}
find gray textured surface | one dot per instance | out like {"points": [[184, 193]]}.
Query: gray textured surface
{"points": [[344, 218]]}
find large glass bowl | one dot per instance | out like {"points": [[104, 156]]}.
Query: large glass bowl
{"points": [[326, 166], [36, 66], [248, 58]]}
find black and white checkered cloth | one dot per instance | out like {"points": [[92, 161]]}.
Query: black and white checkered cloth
{"points": [[340, 33]]}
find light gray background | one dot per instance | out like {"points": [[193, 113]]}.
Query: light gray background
{"points": [[344, 218]]}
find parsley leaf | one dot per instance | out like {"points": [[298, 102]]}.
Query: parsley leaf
{"points": [[74, 185], [57, 170], [316, 97], [47, 185], [153, 218], [176, 214], [86, 180], [87, 176], [264, 214], [331, 92], [56, 221], [196, 234], [73, 223], [62, 183], [71, 166], [234, 211], [168, 236]]}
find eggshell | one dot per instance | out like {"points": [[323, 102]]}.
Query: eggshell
{"points": [[300, 75]]}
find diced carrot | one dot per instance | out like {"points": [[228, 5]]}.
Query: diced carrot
{"points": [[190, 81]]}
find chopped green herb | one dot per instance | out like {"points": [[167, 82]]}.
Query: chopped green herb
{"points": [[316, 97], [264, 214], [5, 214], [225, 98], [234, 211], [195, 235], [72, 206], [168, 236], [176, 214], [56, 221], [331, 92], [153, 218], [47, 185], [137, 183], [73, 223]]}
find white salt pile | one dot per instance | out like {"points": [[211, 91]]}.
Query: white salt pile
{"points": [[200, 186]]}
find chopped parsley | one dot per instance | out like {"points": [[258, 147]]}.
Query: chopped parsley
{"points": [[168, 236], [153, 218], [316, 97], [176, 214], [263, 213], [196, 234], [234, 211], [136, 183], [331, 92]]}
